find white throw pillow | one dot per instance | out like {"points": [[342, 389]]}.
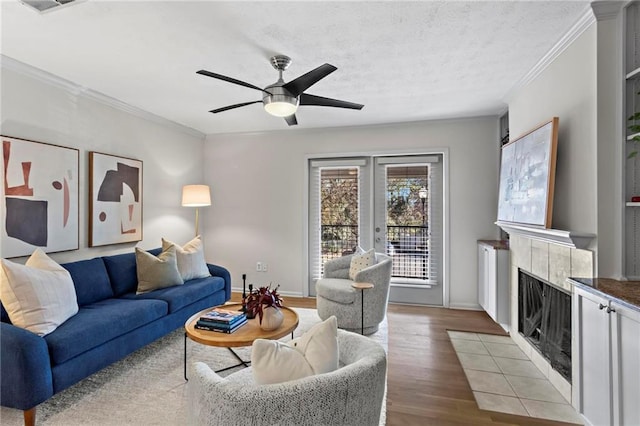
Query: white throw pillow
{"points": [[315, 352], [191, 263], [360, 262], [157, 272], [276, 362], [39, 295], [319, 346]]}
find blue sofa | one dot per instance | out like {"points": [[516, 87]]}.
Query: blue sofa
{"points": [[112, 322]]}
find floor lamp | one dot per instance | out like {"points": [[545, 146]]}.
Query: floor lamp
{"points": [[196, 196]]}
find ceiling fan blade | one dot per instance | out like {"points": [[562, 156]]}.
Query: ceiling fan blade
{"points": [[291, 120], [228, 79], [307, 80], [215, 111], [307, 99]]}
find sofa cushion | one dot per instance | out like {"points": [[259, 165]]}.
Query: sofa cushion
{"points": [[156, 272], [90, 279], [122, 271], [336, 289], [180, 296], [100, 322], [39, 295], [4, 316]]}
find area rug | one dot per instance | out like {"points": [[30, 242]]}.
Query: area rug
{"points": [[147, 387]]}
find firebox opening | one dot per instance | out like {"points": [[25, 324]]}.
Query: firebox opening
{"points": [[544, 319]]}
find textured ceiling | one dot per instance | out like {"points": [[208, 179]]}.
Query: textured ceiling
{"points": [[404, 61]]}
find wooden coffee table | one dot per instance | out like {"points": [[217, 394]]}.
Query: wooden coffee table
{"points": [[244, 336]]}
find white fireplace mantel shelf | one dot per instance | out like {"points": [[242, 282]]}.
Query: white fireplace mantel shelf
{"points": [[571, 239]]}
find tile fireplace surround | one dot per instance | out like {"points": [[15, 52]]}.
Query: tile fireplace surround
{"points": [[553, 263]]}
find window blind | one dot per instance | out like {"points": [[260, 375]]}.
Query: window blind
{"points": [[316, 166]]}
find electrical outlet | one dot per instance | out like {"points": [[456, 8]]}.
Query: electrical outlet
{"points": [[258, 266], [264, 267]]}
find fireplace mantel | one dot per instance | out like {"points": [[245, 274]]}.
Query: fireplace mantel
{"points": [[571, 239]]}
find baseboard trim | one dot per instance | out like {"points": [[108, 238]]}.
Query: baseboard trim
{"points": [[466, 306]]}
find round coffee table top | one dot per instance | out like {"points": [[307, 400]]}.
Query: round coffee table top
{"points": [[243, 336]]}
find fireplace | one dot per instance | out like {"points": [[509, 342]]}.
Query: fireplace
{"points": [[544, 320]]}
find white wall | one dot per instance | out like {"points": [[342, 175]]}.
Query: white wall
{"points": [[610, 155], [258, 186], [42, 108], [567, 89], [582, 87]]}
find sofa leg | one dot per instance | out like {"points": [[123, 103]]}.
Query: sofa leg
{"points": [[30, 417]]}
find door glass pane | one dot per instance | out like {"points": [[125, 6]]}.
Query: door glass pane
{"points": [[339, 211], [407, 195]]}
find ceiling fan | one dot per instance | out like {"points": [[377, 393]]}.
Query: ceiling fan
{"points": [[282, 99]]}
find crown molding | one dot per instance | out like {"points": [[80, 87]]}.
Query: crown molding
{"points": [[604, 10], [585, 21], [75, 89]]}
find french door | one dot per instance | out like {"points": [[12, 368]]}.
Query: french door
{"points": [[407, 194], [393, 204]]}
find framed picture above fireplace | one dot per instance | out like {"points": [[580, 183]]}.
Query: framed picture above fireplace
{"points": [[527, 177]]}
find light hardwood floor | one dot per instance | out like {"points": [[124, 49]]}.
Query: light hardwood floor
{"points": [[426, 383]]}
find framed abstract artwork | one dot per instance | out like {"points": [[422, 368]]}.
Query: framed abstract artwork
{"points": [[40, 191], [115, 199], [527, 177]]}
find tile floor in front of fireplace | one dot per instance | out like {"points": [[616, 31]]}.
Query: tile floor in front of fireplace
{"points": [[504, 379]]}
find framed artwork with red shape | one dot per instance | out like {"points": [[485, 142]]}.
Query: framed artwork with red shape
{"points": [[40, 197]]}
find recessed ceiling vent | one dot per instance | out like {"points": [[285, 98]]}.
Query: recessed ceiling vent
{"points": [[46, 5]]}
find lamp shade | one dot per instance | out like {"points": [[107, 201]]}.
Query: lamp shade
{"points": [[196, 196]]}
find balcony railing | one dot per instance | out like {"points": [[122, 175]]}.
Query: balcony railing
{"points": [[338, 240], [407, 246]]}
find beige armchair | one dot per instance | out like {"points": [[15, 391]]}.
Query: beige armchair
{"points": [[350, 396], [336, 296]]}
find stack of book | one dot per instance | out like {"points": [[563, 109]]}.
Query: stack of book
{"points": [[221, 320]]}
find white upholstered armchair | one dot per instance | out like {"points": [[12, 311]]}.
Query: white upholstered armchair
{"points": [[336, 296], [351, 395]]}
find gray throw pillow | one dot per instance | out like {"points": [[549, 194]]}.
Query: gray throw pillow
{"points": [[157, 272]]}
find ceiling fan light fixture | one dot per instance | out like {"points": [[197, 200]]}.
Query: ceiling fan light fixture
{"points": [[280, 109], [281, 99]]}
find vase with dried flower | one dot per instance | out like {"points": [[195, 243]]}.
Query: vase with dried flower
{"points": [[265, 303]]}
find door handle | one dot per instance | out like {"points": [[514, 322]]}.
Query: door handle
{"points": [[610, 309], [378, 240], [601, 306]]}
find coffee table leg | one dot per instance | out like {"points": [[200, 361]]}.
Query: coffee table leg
{"points": [[245, 363], [362, 313], [185, 357], [242, 362]]}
